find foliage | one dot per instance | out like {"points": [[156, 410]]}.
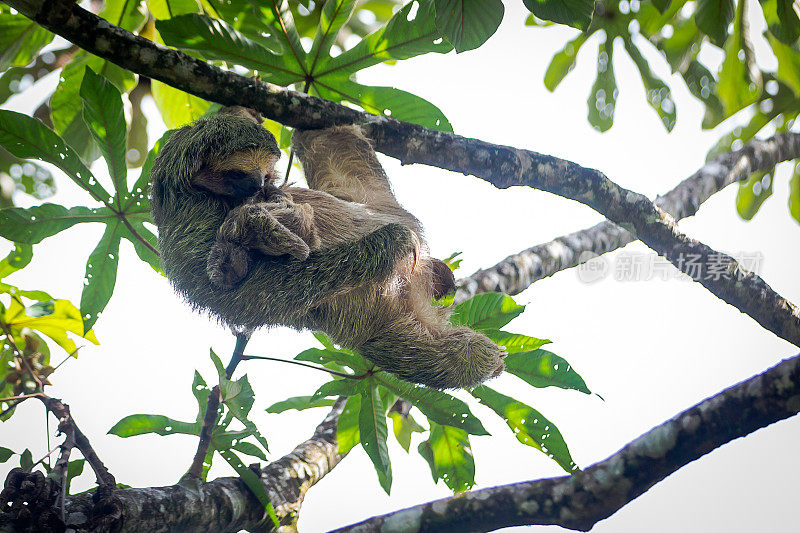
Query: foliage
{"points": [[320, 48], [678, 32]]}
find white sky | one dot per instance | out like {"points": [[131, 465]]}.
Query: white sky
{"points": [[650, 348]]}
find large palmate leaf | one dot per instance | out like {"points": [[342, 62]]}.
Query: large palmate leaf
{"points": [[659, 95], [563, 62], [782, 19], [739, 80], [713, 17], [603, 96], [541, 368], [406, 35], [124, 212]]}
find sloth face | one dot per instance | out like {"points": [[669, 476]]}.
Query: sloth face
{"points": [[238, 176]]}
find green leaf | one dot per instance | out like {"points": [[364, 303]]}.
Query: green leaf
{"points": [[373, 431], [514, 342], [200, 391], [436, 405], [782, 19], [661, 5], [739, 80], [347, 432], [701, 83], [241, 404], [713, 17], [26, 460], [146, 253], [66, 106], [164, 9], [133, 425], [658, 93], [252, 481], [31, 225], [248, 448], [386, 101], [126, 15], [563, 62], [17, 259], [541, 368], [403, 426], [467, 24], [5, 454], [528, 424], [794, 194], [74, 469], [575, 13], [753, 192], [20, 40], [788, 63], [102, 111], [400, 38], [334, 15], [337, 387], [64, 319], [486, 311], [101, 275], [299, 403], [215, 39], [26, 137], [177, 108], [449, 456], [341, 357], [603, 97]]}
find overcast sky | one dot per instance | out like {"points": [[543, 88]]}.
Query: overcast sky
{"points": [[651, 348]]}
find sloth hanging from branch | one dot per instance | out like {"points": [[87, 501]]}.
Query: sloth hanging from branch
{"points": [[341, 256]]}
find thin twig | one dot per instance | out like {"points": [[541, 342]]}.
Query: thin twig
{"points": [[22, 397], [307, 365], [45, 456], [61, 469], [209, 422]]}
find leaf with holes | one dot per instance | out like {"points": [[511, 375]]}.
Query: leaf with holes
{"points": [[177, 108], [252, 481], [337, 387], [658, 93], [334, 15], [486, 311], [529, 426], [31, 225], [467, 24], [387, 101], [142, 424], [603, 97], [753, 193], [64, 318], [403, 426], [541, 368], [101, 275], [449, 456], [340, 357]]}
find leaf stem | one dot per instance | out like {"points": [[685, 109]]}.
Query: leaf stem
{"points": [[300, 363]]}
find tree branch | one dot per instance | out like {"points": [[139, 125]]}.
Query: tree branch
{"points": [[580, 501], [225, 504], [517, 272]]}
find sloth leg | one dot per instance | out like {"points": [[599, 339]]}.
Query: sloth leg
{"points": [[255, 228]]}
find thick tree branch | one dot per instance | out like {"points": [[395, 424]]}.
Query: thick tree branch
{"points": [[502, 166], [580, 501], [225, 504], [517, 272]]}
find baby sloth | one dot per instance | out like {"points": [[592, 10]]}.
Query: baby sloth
{"points": [[342, 256]]}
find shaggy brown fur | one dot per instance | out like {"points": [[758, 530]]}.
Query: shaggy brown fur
{"points": [[342, 256]]}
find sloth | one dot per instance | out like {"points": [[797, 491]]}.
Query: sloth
{"points": [[341, 256]]}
